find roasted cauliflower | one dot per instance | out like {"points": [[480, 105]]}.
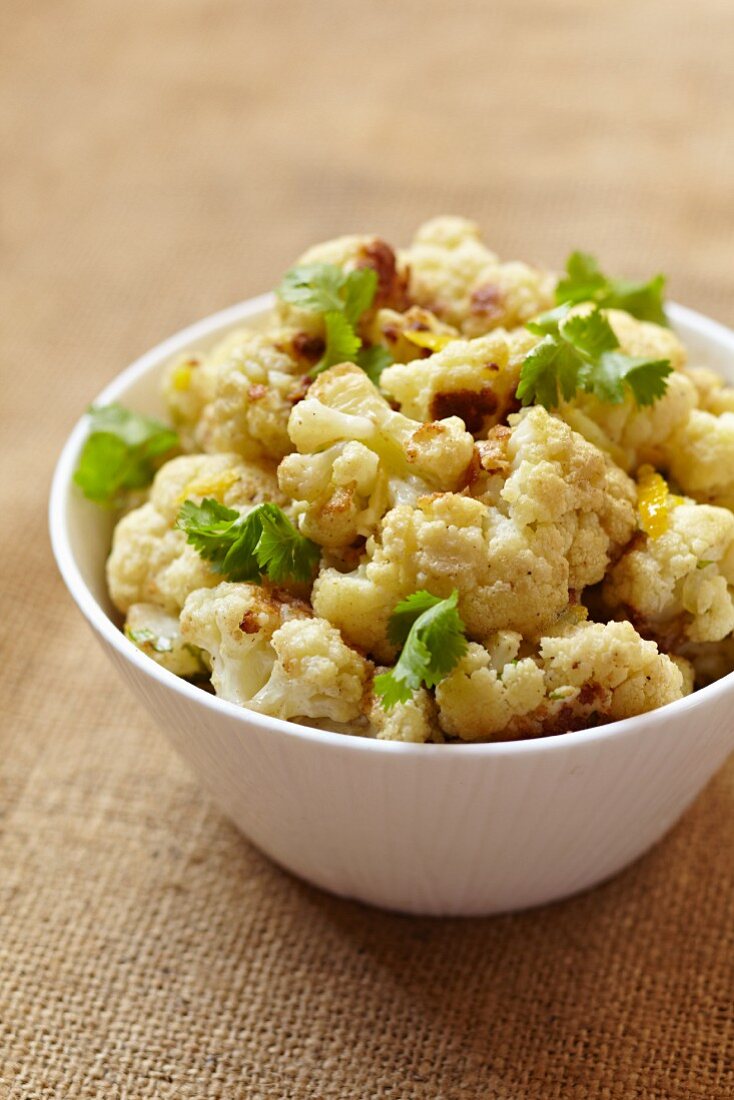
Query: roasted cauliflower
{"points": [[150, 561], [431, 496], [358, 457], [268, 653], [551, 514], [452, 273], [591, 673], [677, 587]]}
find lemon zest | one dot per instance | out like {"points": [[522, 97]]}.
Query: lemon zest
{"points": [[209, 486], [654, 501], [181, 378], [433, 341]]}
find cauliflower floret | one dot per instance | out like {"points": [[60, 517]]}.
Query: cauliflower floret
{"points": [[254, 391], [611, 669], [581, 676], [340, 492], [551, 518], [150, 561], [700, 456], [714, 395], [480, 698], [678, 586], [415, 721], [645, 338], [358, 456], [508, 295], [630, 434], [316, 675], [473, 379], [189, 383], [455, 275], [269, 654], [414, 334], [158, 635]]}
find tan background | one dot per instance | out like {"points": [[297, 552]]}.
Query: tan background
{"points": [[164, 159]]}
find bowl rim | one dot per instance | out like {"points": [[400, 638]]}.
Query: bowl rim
{"points": [[62, 485]]}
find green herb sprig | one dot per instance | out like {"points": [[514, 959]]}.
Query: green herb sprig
{"points": [[244, 548], [581, 353], [122, 451], [585, 282], [342, 298], [432, 636]]}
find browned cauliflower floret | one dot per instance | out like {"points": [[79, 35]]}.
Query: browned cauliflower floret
{"points": [[358, 457], [491, 691], [150, 561], [584, 675], [473, 379], [453, 274], [678, 586], [253, 392], [269, 654], [626, 674], [548, 523]]}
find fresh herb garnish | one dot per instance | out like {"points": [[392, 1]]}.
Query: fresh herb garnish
{"points": [[122, 451], [584, 282], [581, 352], [342, 298], [431, 634], [243, 548]]}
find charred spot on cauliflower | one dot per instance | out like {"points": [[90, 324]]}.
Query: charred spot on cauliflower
{"points": [[473, 379]]}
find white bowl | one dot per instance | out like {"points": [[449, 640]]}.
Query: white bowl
{"points": [[434, 829]]}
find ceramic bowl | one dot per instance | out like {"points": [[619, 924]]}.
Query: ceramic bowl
{"points": [[432, 829]]}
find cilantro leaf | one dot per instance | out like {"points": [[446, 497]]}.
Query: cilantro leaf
{"points": [[358, 292], [315, 288], [342, 343], [431, 633], [581, 353], [550, 365], [282, 551], [373, 362], [123, 451], [342, 298], [585, 282], [646, 378], [590, 333], [242, 548]]}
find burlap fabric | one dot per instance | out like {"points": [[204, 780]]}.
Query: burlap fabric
{"points": [[161, 160]]}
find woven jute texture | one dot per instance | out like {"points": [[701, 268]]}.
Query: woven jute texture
{"points": [[162, 159]]}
